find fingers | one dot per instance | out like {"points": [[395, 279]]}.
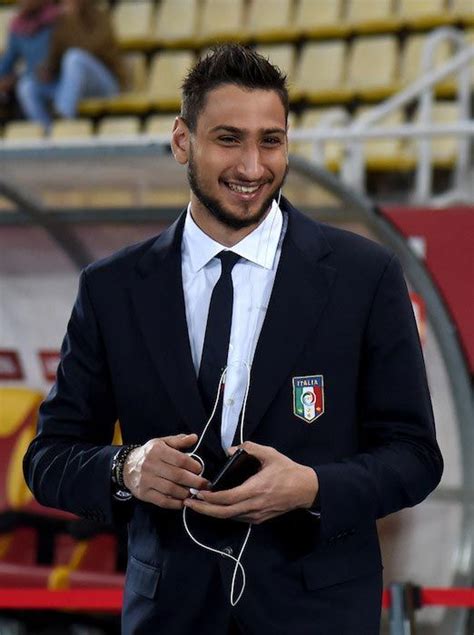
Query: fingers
{"points": [[162, 473], [242, 509], [243, 492], [181, 476]]}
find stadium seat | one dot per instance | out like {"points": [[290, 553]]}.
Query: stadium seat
{"points": [[6, 15], [133, 100], [76, 563], [166, 75], [160, 124], [320, 74], [380, 55], [282, 55], [424, 14], [320, 18], [221, 20], [320, 118], [18, 414], [269, 20], [389, 154], [71, 129], [116, 127], [411, 63], [372, 17], [463, 10], [176, 23], [132, 22], [22, 131], [444, 149]]}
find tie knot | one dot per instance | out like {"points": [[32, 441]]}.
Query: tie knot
{"points": [[228, 260]]}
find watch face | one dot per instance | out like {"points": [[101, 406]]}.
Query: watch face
{"points": [[122, 495]]}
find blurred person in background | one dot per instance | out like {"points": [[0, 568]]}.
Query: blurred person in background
{"points": [[28, 43], [83, 61]]}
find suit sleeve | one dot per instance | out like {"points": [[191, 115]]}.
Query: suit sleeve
{"points": [[68, 463], [399, 462]]}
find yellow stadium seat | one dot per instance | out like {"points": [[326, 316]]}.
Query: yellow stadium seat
{"points": [[71, 129], [110, 197], [320, 74], [320, 18], [373, 67], [390, 154], [160, 124], [6, 15], [175, 23], [22, 131], [132, 22], [132, 100], [281, 55], [424, 14], [222, 20], [268, 20], [112, 127], [167, 72], [411, 63], [444, 149], [18, 414], [16, 405], [463, 10], [332, 150], [366, 16]]}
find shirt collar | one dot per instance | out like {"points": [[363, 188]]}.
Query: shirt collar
{"points": [[260, 246]]}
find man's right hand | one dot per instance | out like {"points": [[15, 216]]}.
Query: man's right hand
{"points": [[160, 472]]}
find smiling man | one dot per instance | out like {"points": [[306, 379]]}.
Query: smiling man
{"points": [[244, 324]]}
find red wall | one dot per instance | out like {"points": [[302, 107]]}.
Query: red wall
{"points": [[449, 236]]}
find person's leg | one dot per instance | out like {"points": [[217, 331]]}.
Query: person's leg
{"points": [[82, 75], [34, 97]]}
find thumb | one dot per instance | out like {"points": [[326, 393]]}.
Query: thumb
{"points": [[180, 441], [261, 452]]}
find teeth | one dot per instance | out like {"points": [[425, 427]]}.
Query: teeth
{"points": [[242, 189]]}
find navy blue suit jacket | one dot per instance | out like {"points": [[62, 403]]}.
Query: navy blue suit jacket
{"points": [[339, 309]]}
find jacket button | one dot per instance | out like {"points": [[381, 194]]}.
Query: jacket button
{"points": [[228, 551]]}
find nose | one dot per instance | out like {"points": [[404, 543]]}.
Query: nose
{"points": [[250, 166]]}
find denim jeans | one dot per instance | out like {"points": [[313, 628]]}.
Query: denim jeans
{"points": [[81, 75]]}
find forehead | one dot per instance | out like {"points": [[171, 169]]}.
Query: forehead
{"points": [[248, 109]]}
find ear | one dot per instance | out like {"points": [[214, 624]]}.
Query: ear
{"points": [[180, 138]]}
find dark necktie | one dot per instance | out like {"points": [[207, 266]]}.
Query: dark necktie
{"points": [[216, 339]]}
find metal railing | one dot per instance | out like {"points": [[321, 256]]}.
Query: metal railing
{"points": [[353, 135]]}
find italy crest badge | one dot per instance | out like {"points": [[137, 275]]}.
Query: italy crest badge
{"points": [[308, 397]]}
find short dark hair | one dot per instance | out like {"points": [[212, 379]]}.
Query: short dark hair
{"points": [[229, 64]]}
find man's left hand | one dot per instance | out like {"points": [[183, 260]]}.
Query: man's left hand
{"points": [[280, 486]]}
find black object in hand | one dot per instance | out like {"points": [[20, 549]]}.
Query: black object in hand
{"points": [[237, 469]]}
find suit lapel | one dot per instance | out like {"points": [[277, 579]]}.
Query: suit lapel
{"points": [[300, 293], [159, 304]]}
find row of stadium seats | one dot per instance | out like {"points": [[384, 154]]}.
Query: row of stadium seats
{"points": [[320, 73], [195, 23], [43, 547], [383, 154]]}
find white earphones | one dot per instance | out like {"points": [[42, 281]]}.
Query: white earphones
{"points": [[194, 455]]}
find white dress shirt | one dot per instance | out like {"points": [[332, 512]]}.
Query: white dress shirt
{"points": [[253, 277]]}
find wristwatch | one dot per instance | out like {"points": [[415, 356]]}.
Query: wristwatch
{"points": [[120, 491]]}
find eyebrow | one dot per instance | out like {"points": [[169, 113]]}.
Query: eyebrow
{"points": [[241, 131]]}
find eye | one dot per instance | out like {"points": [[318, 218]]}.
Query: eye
{"points": [[272, 141], [228, 139]]}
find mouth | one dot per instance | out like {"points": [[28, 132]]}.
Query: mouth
{"points": [[245, 192]]}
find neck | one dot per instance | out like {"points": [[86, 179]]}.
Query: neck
{"points": [[216, 229]]}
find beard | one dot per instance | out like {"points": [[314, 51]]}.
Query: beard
{"points": [[218, 211]]}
